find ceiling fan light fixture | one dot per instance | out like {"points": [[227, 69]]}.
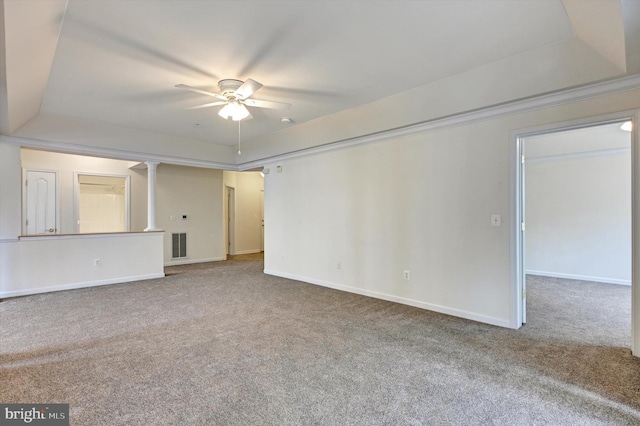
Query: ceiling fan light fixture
{"points": [[241, 113], [235, 110]]}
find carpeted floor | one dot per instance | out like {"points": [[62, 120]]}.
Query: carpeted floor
{"points": [[223, 344]]}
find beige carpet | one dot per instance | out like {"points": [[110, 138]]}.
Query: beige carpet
{"points": [[223, 344]]}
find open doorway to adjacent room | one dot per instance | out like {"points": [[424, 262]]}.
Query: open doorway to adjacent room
{"points": [[102, 203], [576, 241], [244, 213]]}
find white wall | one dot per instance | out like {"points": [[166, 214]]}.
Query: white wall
{"points": [[248, 209], [51, 263], [198, 194], [355, 219], [10, 192], [578, 205]]}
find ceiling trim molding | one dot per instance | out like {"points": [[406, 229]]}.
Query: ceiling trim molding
{"points": [[116, 154], [578, 155], [469, 117]]}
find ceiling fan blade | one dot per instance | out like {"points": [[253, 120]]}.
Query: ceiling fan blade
{"points": [[203, 92], [208, 105], [266, 104], [247, 89]]}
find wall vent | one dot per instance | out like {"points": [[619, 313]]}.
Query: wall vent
{"points": [[179, 245]]}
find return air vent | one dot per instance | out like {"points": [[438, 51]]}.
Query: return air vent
{"points": [[179, 245]]}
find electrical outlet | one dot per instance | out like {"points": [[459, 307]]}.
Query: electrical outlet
{"points": [[339, 265], [406, 275], [97, 262], [283, 259]]}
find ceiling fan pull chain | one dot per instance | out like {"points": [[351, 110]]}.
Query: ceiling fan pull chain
{"points": [[239, 151]]}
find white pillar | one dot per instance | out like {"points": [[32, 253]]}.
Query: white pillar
{"points": [[151, 196]]}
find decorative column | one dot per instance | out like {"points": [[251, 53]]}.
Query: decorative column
{"points": [[151, 196]]}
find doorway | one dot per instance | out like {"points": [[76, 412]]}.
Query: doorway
{"points": [[231, 220], [102, 203], [574, 207], [243, 213]]}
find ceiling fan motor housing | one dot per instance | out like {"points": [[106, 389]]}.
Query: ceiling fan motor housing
{"points": [[229, 86]]}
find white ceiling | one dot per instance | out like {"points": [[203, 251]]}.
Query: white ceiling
{"points": [[117, 62]]}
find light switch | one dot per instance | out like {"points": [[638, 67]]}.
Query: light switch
{"points": [[496, 220]]}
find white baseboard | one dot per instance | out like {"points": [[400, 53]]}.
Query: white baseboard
{"points": [[189, 261], [578, 277], [30, 291], [246, 252], [402, 300]]}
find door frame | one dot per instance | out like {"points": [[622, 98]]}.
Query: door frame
{"points": [[517, 237], [262, 220], [25, 171], [230, 204]]}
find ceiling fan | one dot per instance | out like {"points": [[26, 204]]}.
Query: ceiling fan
{"points": [[235, 96]]}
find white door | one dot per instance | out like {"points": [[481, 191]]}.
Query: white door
{"points": [[40, 202]]}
